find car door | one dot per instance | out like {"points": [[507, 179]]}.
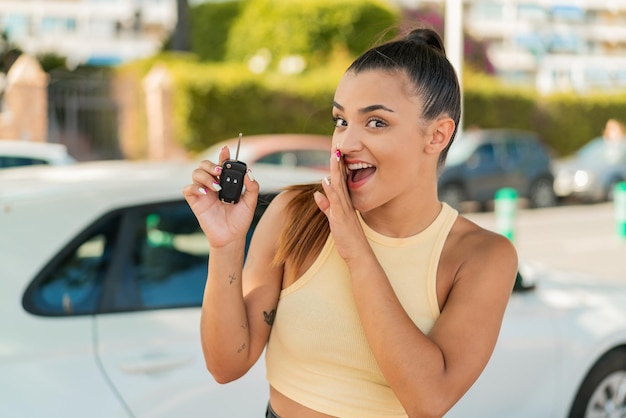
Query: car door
{"points": [[484, 171], [148, 332], [512, 161], [520, 380], [48, 362]]}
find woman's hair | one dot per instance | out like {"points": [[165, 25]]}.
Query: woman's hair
{"points": [[421, 56]]}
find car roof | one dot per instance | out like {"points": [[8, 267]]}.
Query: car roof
{"points": [[497, 134], [125, 180], [52, 152], [253, 146]]}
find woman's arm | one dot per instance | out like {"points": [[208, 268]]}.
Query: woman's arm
{"points": [[239, 304], [430, 373], [232, 334]]}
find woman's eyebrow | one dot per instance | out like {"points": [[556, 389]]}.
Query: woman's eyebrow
{"points": [[366, 109], [372, 108]]}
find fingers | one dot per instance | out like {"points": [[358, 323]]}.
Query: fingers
{"points": [[206, 177], [224, 154], [206, 180], [335, 185]]}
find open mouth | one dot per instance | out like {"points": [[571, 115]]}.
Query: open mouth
{"points": [[359, 172]]}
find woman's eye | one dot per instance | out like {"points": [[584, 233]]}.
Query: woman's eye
{"points": [[376, 123], [339, 122]]}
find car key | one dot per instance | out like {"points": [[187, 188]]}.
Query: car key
{"points": [[231, 178]]}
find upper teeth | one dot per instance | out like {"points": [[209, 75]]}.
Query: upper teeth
{"points": [[358, 166]]}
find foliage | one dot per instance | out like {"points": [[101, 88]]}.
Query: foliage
{"points": [[569, 121], [8, 53], [210, 25], [313, 29], [215, 102], [51, 61], [487, 103]]}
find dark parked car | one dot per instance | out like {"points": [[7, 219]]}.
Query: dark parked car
{"points": [[483, 161]]}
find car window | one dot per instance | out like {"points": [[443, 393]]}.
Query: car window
{"points": [[460, 151], [513, 152], [484, 156], [278, 158], [72, 283], [297, 158], [10, 161], [314, 159], [136, 258], [600, 150], [169, 263]]}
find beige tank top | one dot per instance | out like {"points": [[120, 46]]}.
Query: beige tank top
{"points": [[318, 355]]}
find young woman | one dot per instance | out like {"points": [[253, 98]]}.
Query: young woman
{"points": [[381, 300]]}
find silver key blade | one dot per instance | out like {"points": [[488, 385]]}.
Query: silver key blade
{"points": [[238, 145]]}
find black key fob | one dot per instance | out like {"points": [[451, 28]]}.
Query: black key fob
{"points": [[231, 180]]}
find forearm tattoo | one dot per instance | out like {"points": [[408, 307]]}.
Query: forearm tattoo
{"points": [[240, 349], [269, 317], [232, 278]]}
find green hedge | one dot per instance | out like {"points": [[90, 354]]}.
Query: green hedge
{"points": [[210, 25], [313, 29], [216, 101], [213, 102], [568, 121]]}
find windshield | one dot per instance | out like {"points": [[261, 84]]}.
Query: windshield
{"points": [[600, 150], [460, 150]]}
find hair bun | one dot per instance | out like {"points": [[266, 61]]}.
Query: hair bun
{"points": [[427, 37]]}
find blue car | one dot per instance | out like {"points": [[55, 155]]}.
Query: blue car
{"points": [[483, 161]]}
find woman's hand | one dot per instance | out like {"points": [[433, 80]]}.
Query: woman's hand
{"points": [[344, 223], [221, 222]]}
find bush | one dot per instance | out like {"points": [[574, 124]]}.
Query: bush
{"points": [[215, 102], [210, 25], [313, 29]]}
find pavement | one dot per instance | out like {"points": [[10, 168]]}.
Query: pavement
{"points": [[581, 238]]}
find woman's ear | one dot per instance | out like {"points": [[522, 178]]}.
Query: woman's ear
{"points": [[442, 132]]}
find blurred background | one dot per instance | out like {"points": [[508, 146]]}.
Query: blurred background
{"points": [[103, 263], [163, 79]]}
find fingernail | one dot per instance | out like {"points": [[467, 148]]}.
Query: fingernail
{"points": [[202, 190], [338, 155], [217, 186], [327, 181], [250, 176], [218, 168]]}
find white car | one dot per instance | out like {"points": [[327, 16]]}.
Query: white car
{"points": [[102, 269], [17, 153]]}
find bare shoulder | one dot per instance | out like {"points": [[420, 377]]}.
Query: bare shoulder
{"points": [[481, 253], [474, 238]]}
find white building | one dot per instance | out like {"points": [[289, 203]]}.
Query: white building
{"points": [[559, 45], [89, 31]]}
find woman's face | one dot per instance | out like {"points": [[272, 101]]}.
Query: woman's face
{"points": [[380, 132]]}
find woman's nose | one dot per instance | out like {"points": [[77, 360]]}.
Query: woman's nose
{"points": [[347, 141]]}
